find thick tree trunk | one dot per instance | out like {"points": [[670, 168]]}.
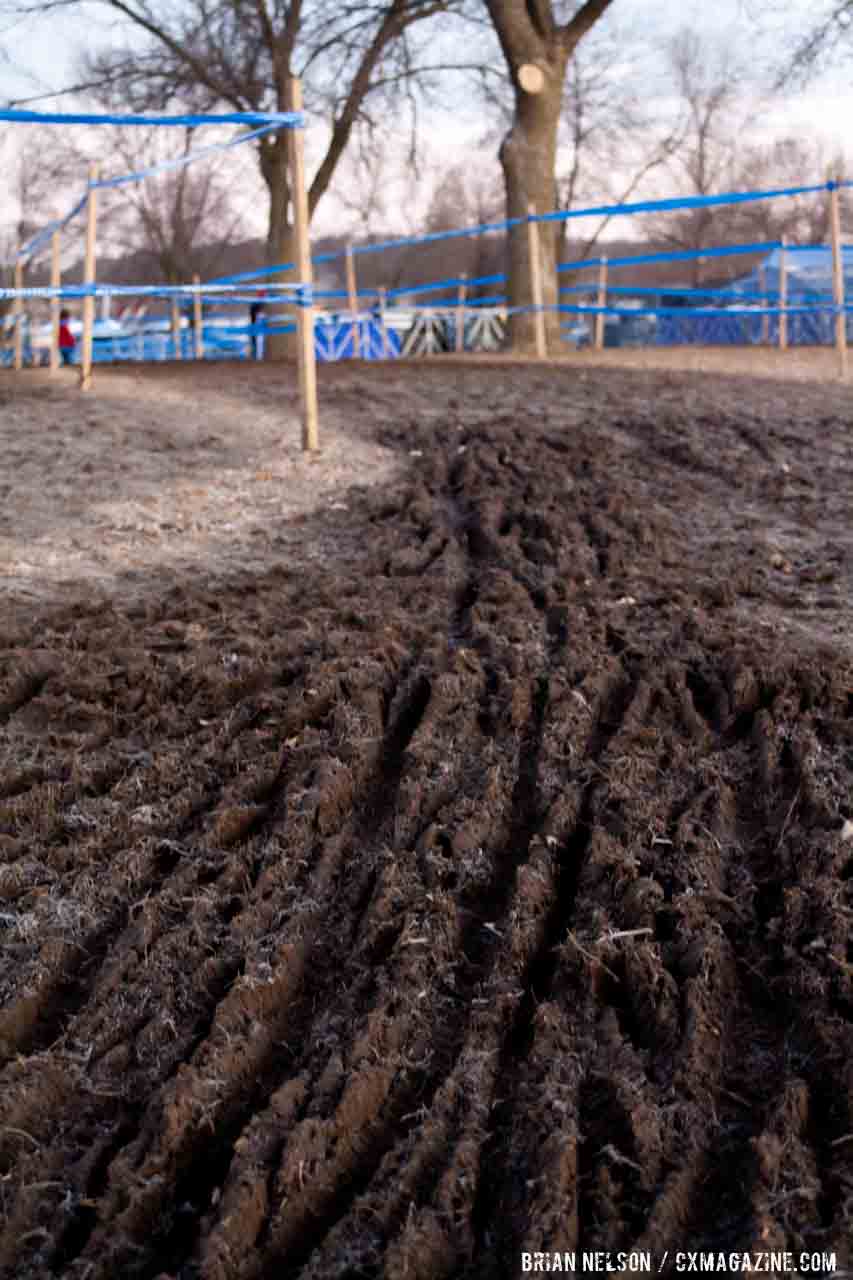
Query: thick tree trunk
{"points": [[536, 49], [528, 158], [280, 245]]}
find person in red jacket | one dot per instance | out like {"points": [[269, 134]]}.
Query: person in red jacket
{"points": [[67, 341]]}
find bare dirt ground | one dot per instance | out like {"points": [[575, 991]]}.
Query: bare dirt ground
{"points": [[178, 471], [483, 883]]}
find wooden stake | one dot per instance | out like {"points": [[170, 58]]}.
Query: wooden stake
{"points": [[838, 280], [783, 297], [460, 313], [536, 282], [352, 294], [55, 304], [198, 320], [18, 312], [602, 302], [176, 330], [305, 314], [383, 326], [765, 319], [89, 279]]}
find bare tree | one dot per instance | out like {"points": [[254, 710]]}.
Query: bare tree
{"points": [[450, 203], [183, 217], [710, 87], [612, 134], [35, 178], [361, 181], [717, 154], [242, 54], [829, 34], [541, 34], [785, 163]]}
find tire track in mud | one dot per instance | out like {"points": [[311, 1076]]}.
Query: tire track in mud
{"points": [[479, 920], [406, 732], [151, 886], [203, 1163]]}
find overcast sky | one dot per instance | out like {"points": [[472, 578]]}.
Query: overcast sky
{"points": [[41, 57]]}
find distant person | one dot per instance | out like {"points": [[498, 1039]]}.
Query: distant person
{"points": [[257, 315], [67, 341]]}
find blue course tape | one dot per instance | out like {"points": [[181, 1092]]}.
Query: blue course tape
{"points": [[605, 210], [672, 292], [181, 161], [675, 255], [280, 119], [441, 285], [678, 202], [626, 210], [41, 237], [242, 277], [433, 236], [123, 180], [705, 311], [299, 295]]}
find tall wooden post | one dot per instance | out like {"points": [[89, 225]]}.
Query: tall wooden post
{"points": [[176, 330], [89, 279], [55, 304], [783, 297], [838, 280], [383, 325], [461, 294], [198, 335], [304, 314], [18, 313], [536, 282], [765, 319], [352, 295], [602, 303]]}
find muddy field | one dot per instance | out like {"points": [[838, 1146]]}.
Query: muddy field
{"points": [[473, 876]]}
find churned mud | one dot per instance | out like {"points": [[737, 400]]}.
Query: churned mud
{"points": [[481, 882]]}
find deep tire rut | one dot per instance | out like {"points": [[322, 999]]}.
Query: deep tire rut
{"points": [[496, 896]]}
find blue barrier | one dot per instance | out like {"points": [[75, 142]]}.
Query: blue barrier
{"points": [[332, 341]]}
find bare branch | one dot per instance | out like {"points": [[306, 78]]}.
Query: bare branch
{"points": [[583, 22]]}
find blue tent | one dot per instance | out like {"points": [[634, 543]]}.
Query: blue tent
{"points": [[808, 274]]}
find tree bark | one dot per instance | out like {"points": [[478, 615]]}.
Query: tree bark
{"points": [[280, 243], [528, 158], [529, 34]]}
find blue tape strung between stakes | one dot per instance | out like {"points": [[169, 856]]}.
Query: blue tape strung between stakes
{"points": [[675, 255], [259, 273], [674, 291], [605, 210], [495, 300], [124, 179], [179, 163], [41, 237], [299, 294], [829, 309], [679, 202], [433, 236], [281, 119], [440, 286]]}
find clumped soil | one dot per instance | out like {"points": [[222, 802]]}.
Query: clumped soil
{"points": [[482, 884]]}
